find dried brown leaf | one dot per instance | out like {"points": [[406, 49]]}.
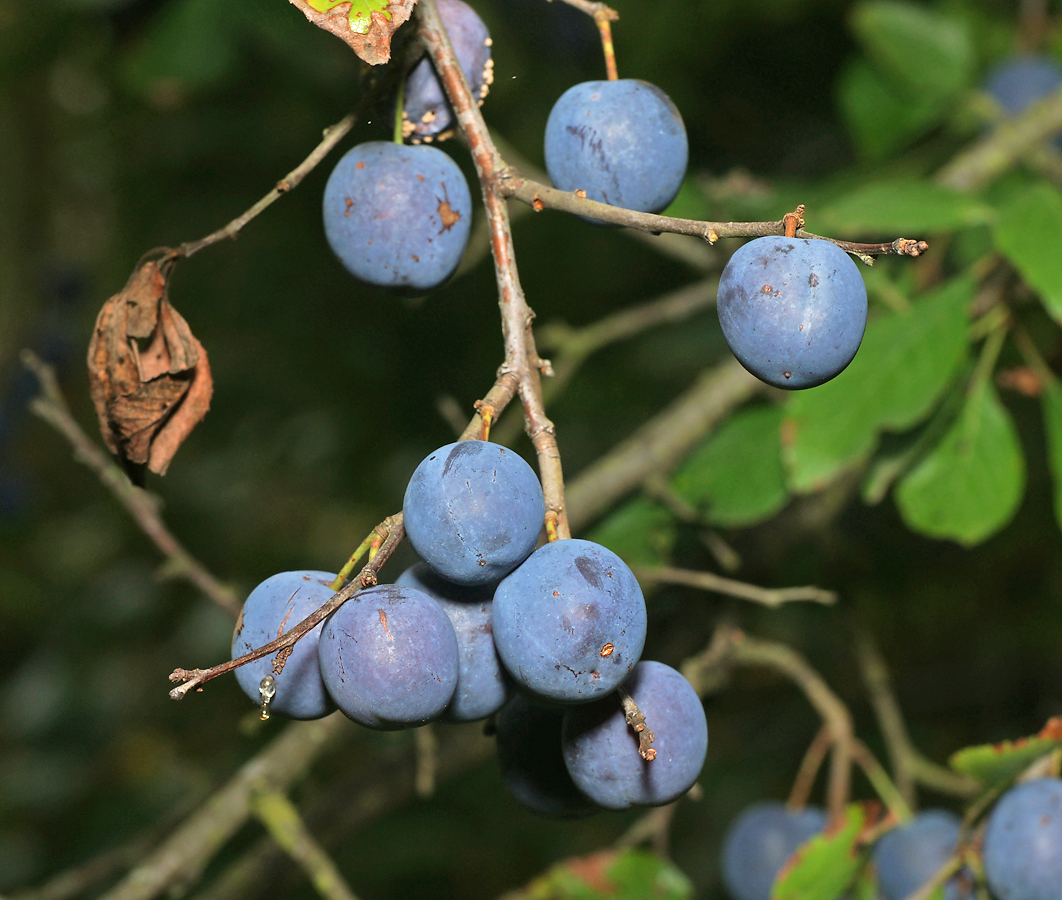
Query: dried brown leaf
{"points": [[374, 46], [147, 398]]}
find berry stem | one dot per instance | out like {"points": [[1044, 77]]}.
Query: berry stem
{"points": [[400, 110], [604, 27], [636, 720], [348, 567], [814, 756]]}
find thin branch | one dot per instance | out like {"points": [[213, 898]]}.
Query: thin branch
{"points": [[879, 778], [594, 10], [187, 679], [521, 356], [661, 443], [145, 508], [814, 756], [890, 718], [540, 196], [285, 826], [179, 861], [1004, 145], [709, 581]]}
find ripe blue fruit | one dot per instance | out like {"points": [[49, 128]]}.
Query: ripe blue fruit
{"points": [[482, 685], [473, 511], [528, 745], [1023, 842], [623, 142], [426, 111], [1019, 82], [601, 750], [273, 608], [909, 855], [397, 216], [759, 842], [570, 622], [389, 657], [792, 310]]}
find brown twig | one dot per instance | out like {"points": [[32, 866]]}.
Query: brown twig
{"points": [[604, 29], [511, 183], [636, 722], [50, 405], [521, 357], [187, 679], [800, 793], [709, 581]]}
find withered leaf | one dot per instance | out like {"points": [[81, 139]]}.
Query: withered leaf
{"points": [[371, 43], [149, 376]]}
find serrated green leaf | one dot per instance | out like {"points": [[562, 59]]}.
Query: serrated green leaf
{"points": [[900, 207], [641, 532], [1027, 233], [996, 764], [880, 121], [904, 363], [1051, 404], [360, 11], [610, 875], [823, 867], [737, 474], [970, 485], [907, 40], [189, 45]]}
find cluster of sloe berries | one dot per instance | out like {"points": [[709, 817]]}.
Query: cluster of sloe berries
{"points": [[549, 640], [1022, 850]]}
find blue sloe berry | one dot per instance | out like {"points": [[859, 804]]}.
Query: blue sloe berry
{"points": [[473, 511], [1023, 842], [792, 310], [909, 855], [397, 216], [758, 844]]}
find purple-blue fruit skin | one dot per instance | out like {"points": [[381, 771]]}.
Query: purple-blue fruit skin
{"points": [[759, 842], [601, 749], [482, 684], [793, 310], [274, 607], [623, 142], [1019, 82], [570, 622], [389, 657], [426, 108], [473, 511], [397, 216], [1023, 842], [528, 746], [909, 855]]}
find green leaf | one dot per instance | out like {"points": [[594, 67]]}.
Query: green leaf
{"points": [[189, 45], [1027, 233], [641, 532], [970, 485], [996, 764], [360, 11], [906, 206], [882, 122], [610, 875], [737, 474], [1051, 403], [904, 363], [823, 867], [907, 40]]}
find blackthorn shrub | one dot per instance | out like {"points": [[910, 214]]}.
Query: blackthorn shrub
{"points": [[601, 750], [623, 142], [273, 608], [570, 622], [793, 310], [389, 657], [397, 216], [473, 511]]}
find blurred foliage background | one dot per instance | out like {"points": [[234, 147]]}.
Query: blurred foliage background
{"points": [[131, 124]]}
